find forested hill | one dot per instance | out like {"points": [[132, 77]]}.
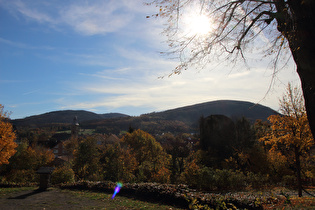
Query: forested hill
{"points": [[230, 108], [183, 119], [63, 117]]}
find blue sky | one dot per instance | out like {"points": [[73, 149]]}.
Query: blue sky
{"points": [[103, 56]]}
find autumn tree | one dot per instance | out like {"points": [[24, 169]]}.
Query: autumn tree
{"points": [[71, 145], [36, 136], [234, 28], [86, 159], [109, 160], [179, 147], [246, 151], [290, 133], [26, 161], [7, 137], [118, 164], [151, 158]]}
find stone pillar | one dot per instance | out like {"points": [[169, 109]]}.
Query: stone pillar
{"points": [[44, 179]]}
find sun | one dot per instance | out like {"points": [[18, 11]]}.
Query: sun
{"points": [[196, 24], [200, 25]]}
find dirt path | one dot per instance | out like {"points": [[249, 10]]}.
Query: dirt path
{"points": [[49, 199]]}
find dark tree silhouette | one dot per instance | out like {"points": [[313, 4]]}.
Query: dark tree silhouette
{"points": [[217, 136]]}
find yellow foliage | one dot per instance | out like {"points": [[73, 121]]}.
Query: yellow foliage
{"points": [[290, 132], [144, 146], [289, 138], [149, 155], [278, 161], [7, 137], [291, 129]]}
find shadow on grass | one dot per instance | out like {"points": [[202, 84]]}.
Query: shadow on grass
{"points": [[23, 196]]}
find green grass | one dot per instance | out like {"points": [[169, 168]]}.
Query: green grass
{"points": [[119, 202], [297, 203], [87, 131], [8, 191], [81, 132], [105, 200]]}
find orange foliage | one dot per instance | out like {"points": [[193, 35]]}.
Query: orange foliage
{"points": [[162, 175], [149, 154], [290, 136], [191, 173], [129, 165], [144, 146], [289, 131], [44, 156], [31, 158], [7, 137]]}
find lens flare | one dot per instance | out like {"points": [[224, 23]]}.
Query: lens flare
{"points": [[117, 188]]}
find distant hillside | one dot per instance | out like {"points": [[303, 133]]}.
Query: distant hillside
{"points": [[184, 119], [229, 108], [66, 117], [179, 120], [113, 115]]}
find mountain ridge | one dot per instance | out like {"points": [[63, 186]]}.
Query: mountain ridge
{"points": [[229, 108], [189, 115], [64, 116]]}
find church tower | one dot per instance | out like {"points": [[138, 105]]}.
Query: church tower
{"points": [[75, 128]]}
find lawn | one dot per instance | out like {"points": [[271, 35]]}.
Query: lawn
{"points": [[55, 198], [119, 202], [9, 191]]}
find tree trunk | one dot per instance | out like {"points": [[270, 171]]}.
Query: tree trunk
{"points": [[305, 62], [298, 170], [301, 37], [308, 87]]}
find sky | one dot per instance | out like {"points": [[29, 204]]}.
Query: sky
{"points": [[104, 57]]}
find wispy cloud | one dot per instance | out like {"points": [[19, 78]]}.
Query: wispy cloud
{"points": [[31, 92], [180, 90], [239, 74], [115, 74], [85, 17], [33, 13], [97, 17], [25, 46]]}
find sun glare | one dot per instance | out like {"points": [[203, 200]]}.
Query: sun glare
{"points": [[201, 25], [197, 24]]}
